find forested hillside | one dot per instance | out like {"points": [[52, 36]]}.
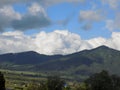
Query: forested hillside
{"points": [[76, 65]]}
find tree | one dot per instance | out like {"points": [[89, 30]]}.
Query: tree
{"points": [[116, 82], [2, 82], [100, 81], [55, 83]]}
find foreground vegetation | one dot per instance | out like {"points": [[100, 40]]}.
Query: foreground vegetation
{"points": [[97, 81]]}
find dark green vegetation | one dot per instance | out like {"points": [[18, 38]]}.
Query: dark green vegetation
{"points": [[77, 66], [55, 83], [97, 81], [2, 82], [103, 81], [52, 83]]}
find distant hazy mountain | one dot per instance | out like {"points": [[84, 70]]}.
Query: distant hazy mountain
{"points": [[77, 65]]}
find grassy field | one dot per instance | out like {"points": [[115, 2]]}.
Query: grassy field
{"points": [[16, 79]]}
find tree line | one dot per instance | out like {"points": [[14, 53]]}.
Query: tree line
{"points": [[97, 81]]}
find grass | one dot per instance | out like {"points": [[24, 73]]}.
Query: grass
{"points": [[18, 79], [21, 78]]}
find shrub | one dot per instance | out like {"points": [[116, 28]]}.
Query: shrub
{"points": [[55, 83], [2, 82]]}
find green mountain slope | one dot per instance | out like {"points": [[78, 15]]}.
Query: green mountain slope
{"points": [[76, 65]]}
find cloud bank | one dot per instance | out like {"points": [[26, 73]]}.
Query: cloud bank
{"points": [[35, 17], [44, 2], [7, 15], [56, 42]]}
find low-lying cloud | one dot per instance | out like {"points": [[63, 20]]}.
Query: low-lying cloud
{"points": [[56, 42]]}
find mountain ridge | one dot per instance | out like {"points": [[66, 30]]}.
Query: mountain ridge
{"points": [[99, 47], [82, 63]]}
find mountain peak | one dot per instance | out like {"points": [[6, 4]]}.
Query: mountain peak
{"points": [[103, 47]]}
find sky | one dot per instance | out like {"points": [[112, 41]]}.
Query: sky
{"points": [[58, 26]]}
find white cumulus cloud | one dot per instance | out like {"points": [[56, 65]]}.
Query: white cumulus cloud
{"points": [[15, 42], [7, 14], [35, 17], [56, 42]]}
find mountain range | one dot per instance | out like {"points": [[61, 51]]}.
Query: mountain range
{"points": [[77, 65]]}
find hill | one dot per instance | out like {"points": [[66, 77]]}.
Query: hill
{"points": [[76, 65]]}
